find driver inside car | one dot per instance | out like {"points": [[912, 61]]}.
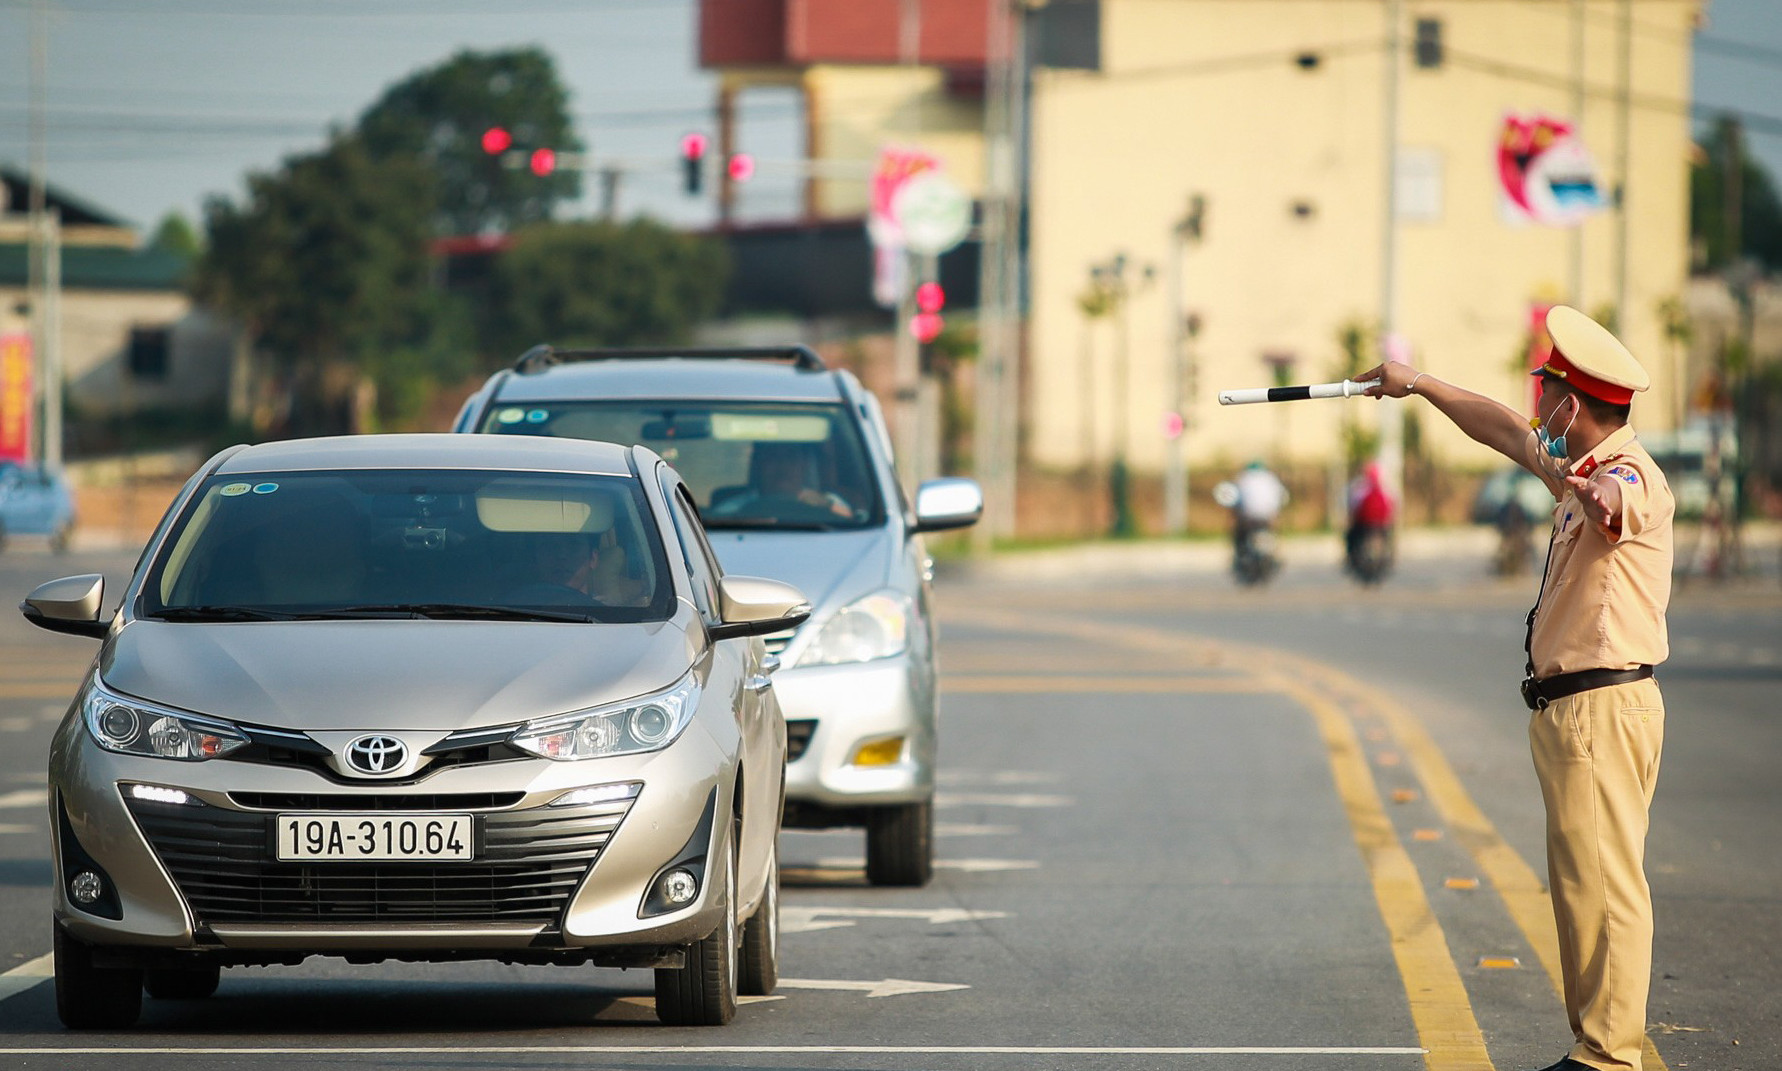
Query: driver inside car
{"points": [[781, 472]]}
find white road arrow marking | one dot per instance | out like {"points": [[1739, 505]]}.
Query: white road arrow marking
{"points": [[885, 987], [812, 919]]}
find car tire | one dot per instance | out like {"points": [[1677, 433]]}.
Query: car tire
{"points": [[900, 844], [761, 937], [182, 983], [93, 998], [703, 992]]}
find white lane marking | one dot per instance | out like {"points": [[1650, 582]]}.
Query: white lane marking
{"points": [[14, 724], [650, 1002], [1000, 799], [24, 797], [845, 1050], [884, 987], [968, 866], [811, 919], [995, 777], [14, 827], [1761, 657], [969, 829], [27, 975]]}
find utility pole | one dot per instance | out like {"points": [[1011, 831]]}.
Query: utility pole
{"points": [[1623, 166], [44, 270], [1576, 289], [1187, 230], [997, 418], [1392, 429]]}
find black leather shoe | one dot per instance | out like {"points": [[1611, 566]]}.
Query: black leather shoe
{"points": [[1568, 1064]]}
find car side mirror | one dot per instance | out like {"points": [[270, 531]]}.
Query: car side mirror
{"points": [[756, 606], [69, 605], [948, 503]]}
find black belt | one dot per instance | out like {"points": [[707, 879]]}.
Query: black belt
{"points": [[1538, 693]]}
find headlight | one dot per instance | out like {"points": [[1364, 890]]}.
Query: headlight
{"points": [[876, 626], [132, 727], [637, 725]]}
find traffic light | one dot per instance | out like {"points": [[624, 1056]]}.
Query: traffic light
{"points": [[741, 167], [693, 148], [927, 323], [543, 162], [496, 140], [930, 297]]}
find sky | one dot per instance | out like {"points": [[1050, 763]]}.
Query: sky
{"points": [[155, 105]]}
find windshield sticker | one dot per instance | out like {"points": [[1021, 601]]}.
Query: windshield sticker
{"points": [[265, 488], [230, 490], [511, 416], [538, 416], [756, 427]]}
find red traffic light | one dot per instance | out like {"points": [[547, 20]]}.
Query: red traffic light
{"points": [[496, 140], [693, 146], [930, 297], [741, 167], [926, 325], [543, 162]]}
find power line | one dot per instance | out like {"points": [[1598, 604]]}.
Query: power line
{"points": [[1767, 57]]}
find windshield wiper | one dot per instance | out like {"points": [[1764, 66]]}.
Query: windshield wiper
{"points": [[769, 523], [446, 611], [219, 613]]}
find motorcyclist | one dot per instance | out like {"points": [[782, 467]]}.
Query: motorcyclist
{"points": [[1255, 497], [1372, 511]]}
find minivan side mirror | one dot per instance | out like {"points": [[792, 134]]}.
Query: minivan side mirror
{"points": [[69, 605], [756, 606], [948, 503]]}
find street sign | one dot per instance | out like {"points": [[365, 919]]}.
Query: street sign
{"points": [[933, 213]]}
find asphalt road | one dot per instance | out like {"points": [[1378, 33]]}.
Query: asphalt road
{"points": [[1181, 826]]}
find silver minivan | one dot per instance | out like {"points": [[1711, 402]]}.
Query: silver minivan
{"points": [[790, 465]]}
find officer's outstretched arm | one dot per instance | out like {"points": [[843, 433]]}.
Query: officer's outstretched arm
{"points": [[1485, 420]]}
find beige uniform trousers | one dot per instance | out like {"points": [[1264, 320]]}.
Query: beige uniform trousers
{"points": [[1596, 754]]}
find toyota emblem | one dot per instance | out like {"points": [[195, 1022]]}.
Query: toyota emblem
{"points": [[376, 754]]}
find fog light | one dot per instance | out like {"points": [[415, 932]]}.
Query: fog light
{"points": [[86, 888], [884, 752], [679, 887]]}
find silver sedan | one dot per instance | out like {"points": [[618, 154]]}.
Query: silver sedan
{"points": [[427, 698]]}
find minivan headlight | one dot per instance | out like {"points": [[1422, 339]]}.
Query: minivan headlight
{"points": [[636, 725], [876, 626], [133, 727]]}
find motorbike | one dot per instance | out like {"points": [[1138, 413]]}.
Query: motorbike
{"points": [[1253, 558], [1370, 553]]}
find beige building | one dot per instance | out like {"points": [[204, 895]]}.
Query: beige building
{"points": [[1273, 111]]}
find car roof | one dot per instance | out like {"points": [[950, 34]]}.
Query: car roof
{"points": [[670, 377], [436, 451]]}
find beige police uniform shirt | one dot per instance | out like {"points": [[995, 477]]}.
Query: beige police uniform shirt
{"points": [[1603, 604]]}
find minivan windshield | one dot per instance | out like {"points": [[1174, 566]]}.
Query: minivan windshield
{"points": [[786, 466], [461, 545]]}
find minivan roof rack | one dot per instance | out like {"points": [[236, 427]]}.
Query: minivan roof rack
{"points": [[539, 358]]}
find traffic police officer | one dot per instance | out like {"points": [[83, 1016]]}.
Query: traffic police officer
{"points": [[1594, 635]]}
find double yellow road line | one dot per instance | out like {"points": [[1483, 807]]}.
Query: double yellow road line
{"points": [[1337, 702]]}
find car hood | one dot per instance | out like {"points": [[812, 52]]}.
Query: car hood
{"points": [[828, 567], [394, 675]]}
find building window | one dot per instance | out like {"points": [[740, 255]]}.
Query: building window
{"points": [[150, 350]]}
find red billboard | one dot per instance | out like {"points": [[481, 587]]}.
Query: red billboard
{"points": [[15, 397]]}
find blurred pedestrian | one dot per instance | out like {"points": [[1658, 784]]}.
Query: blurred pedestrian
{"points": [[1596, 632]]}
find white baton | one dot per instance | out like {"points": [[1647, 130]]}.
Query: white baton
{"points": [[1348, 388]]}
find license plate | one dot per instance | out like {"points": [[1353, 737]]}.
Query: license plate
{"points": [[373, 838]]}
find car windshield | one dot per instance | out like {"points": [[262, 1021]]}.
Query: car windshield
{"points": [[791, 466], [465, 545]]}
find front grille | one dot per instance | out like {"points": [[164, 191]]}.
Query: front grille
{"points": [[527, 864], [798, 737], [434, 801]]}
